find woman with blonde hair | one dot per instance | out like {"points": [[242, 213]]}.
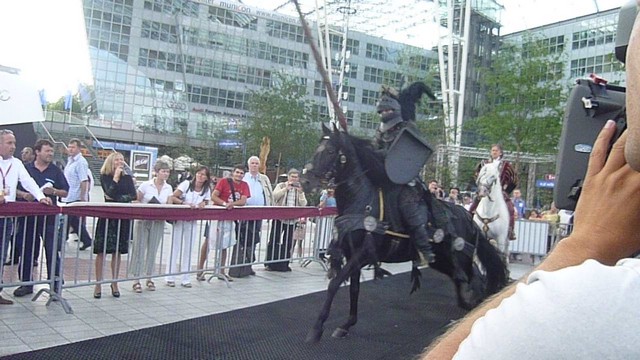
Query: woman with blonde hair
{"points": [[113, 235]]}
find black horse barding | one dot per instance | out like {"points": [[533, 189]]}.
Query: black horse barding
{"points": [[469, 260]]}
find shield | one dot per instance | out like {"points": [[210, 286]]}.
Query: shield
{"points": [[406, 156]]}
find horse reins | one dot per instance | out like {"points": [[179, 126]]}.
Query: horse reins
{"points": [[487, 221]]}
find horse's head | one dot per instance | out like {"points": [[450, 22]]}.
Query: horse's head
{"points": [[487, 178], [323, 166]]}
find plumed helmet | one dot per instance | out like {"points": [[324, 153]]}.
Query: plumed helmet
{"points": [[389, 105]]}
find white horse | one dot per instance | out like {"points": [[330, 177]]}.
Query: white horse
{"points": [[492, 214]]}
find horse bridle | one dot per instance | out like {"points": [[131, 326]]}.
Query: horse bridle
{"points": [[487, 221], [329, 174]]}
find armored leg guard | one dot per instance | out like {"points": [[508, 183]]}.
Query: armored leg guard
{"points": [[421, 241], [414, 213]]}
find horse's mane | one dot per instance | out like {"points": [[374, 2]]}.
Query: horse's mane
{"points": [[370, 159], [361, 143]]}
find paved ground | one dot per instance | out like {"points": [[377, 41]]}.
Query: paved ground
{"points": [[29, 325]]}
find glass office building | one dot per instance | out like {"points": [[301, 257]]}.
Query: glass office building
{"points": [[169, 71], [588, 43]]}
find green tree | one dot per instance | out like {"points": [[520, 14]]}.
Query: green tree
{"points": [[282, 113], [524, 99]]}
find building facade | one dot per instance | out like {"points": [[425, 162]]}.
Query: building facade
{"points": [[167, 71], [588, 43]]}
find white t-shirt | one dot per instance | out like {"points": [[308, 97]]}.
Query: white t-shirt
{"points": [[192, 197], [589, 311], [149, 191]]}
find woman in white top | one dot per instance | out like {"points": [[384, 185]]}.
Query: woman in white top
{"points": [[149, 233], [196, 194]]}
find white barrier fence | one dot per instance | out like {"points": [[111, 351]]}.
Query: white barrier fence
{"points": [[537, 238], [192, 242]]}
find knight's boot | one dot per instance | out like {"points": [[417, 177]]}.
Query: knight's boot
{"points": [[421, 242]]}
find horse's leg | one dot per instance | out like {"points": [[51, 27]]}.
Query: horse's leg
{"points": [[354, 292], [351, 267]]}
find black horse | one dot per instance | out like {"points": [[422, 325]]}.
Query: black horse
{"points": [[363, 239]]}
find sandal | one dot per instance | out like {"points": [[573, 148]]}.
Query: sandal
{"points": [[171, 283], [200, 277], [137, 288], [224, 277], [151, 286]]}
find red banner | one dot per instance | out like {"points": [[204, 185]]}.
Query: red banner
{"points": [[163, 212]]}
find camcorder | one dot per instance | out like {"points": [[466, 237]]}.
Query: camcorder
{"points": [[591, 104]]}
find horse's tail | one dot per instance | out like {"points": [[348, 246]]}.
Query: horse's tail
{"points": [[496, 269]]}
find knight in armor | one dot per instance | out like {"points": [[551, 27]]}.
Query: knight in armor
{"points": [[403, 154], [508, 180]]}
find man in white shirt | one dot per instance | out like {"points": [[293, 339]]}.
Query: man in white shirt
{"points": [[13, 171], [78, 176], [249, 231], [583, 301]]}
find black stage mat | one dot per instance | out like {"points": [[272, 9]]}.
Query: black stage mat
{"points": [[392, 325]]}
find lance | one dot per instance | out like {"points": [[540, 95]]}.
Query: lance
{"points": [[342, 119]]}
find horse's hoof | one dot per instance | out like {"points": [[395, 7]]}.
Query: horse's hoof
{"points": [[339, 333], [313, 337]]}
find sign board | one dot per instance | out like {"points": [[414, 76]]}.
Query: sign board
{"points": [[545, 184], [19, 99], [141, 165]]}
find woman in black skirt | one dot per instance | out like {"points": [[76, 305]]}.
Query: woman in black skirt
{"points": [[113, 235]]}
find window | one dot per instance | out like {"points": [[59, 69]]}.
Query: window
{"points": [[159, 31], [373, 75], [377, 52], [283, 30], [232, 18], [597, 64], [370, 97], [369, 121], [597, 32]]}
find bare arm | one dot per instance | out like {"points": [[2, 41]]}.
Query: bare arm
{"points": [[600, 233], [83, 190]]}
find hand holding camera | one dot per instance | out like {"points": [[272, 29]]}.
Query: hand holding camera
{"points": [[295, 185]]}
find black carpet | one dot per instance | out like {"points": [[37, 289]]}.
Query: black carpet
{"points": [[391, 325]]}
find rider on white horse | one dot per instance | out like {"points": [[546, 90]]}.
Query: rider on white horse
{"points": [[508, 180]]}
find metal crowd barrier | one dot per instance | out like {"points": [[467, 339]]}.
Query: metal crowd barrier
{"points": [[304, 231], [537, 238]]}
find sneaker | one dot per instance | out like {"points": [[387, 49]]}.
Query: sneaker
{"points": [[4, 301], [23, 291]]}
